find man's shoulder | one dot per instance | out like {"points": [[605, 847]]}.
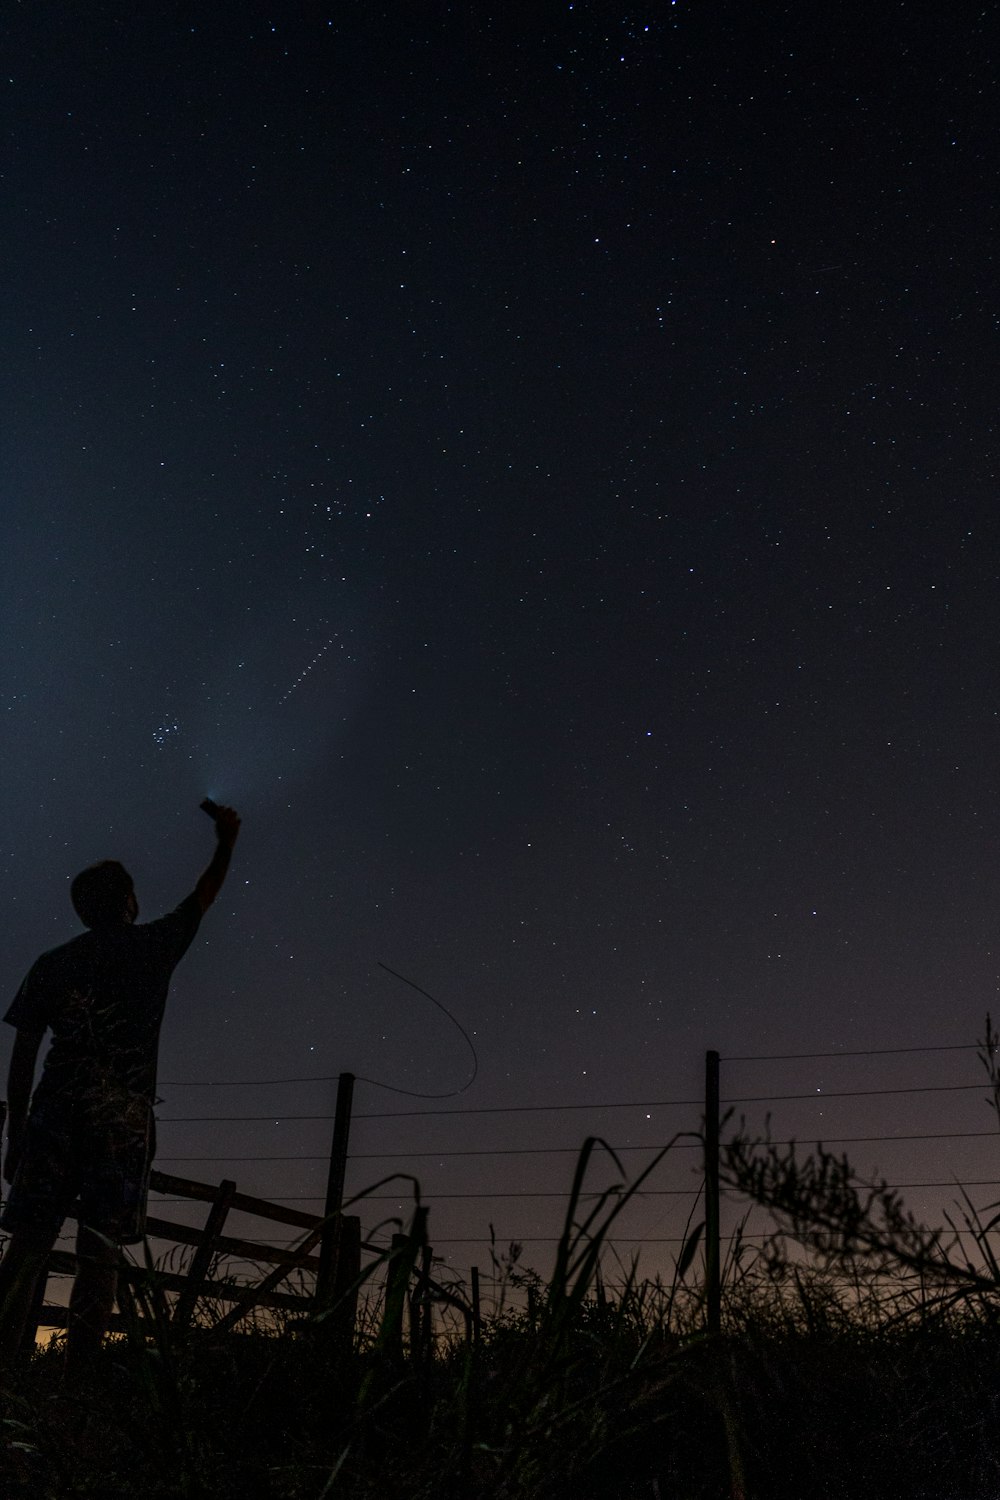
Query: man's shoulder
{"points": [[187, 912], [48, 976], [171, 934], [63, 956]]}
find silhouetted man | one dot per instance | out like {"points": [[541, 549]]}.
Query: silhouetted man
{"points": [[88, 1137]]}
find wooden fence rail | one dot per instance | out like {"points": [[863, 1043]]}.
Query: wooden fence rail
{"points": [[210, 1242]]}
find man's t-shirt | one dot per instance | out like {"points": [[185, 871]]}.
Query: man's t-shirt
{"points": [[102, 996]]}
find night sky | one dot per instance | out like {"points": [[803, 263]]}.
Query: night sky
{"points": [[538, 462]]}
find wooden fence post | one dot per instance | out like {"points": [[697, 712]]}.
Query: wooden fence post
{"points": [[402, 1263], [422, 1323], [713, 1282], [202, 1258], [327, 1276], [347, 1271], [600, 1296], [477, 1324], [396, 1281]]}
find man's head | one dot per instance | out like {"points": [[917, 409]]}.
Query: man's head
{"points": [[103, 895]]}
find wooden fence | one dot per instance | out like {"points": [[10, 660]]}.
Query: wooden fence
{"points": [[328, 1258], [342, 1233]]}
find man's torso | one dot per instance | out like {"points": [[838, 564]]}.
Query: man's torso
{"points": [[102, 996]]}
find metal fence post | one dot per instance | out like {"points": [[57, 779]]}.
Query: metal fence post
{"points": [[713, 1279]]}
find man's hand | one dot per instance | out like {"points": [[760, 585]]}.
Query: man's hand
{"points": [[227, 825]]}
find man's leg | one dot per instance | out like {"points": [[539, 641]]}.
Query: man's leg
{"points": [[92, 1299], [24, 1262]]}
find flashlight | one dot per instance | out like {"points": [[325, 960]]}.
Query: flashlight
{"points": [[210, 807]]}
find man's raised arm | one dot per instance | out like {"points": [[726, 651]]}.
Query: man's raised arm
{"points": [[227, 826]]}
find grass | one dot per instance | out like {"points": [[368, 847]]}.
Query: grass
{"points": [[869, 1366], [809, 1394]]}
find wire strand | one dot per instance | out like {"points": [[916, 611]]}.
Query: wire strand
{"points": [[527, 1109], [415, 1093], [409, 1114], [245, 1083], [863, 1052], [951, 1182], [692, 1145]]}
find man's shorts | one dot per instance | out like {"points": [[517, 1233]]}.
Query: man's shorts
{"points": [[98, 1172]]}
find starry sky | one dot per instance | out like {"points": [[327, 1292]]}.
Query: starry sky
{"points": [[538, 462]]}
